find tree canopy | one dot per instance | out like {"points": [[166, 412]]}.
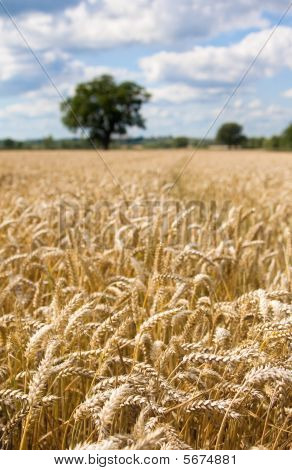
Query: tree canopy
{"points": [[230, 134], [103, 108]]}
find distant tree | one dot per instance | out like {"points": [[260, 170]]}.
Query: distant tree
{"points": [[103, 108], [49, 143], [255, 142], [286, 137], [230, 134], [181, 142], [273, 143], [9, 144]]}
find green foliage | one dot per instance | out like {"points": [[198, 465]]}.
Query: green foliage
{"points": [[10, 144], [230, 134], [181, 142], [286, 138], [254, 142], [274, 143], [49, 143], [103, 108]]}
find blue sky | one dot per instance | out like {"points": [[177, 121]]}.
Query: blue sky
{"points": [[190, 55]]}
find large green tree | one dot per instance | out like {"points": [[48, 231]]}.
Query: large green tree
{"points": [[230, 134], [103, 108]]}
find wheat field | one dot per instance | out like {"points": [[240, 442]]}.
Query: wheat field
{"points": [[145, 316]]}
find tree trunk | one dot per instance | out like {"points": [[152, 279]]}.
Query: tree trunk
{"points": [[105, 143]]}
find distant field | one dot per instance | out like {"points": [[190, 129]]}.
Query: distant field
{"points": [[141, 315], [61, 163]]}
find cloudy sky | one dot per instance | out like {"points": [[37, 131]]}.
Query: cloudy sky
{"points": [[190, 54]]}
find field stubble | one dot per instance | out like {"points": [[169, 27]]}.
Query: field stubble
{"points": [[145, 319]]}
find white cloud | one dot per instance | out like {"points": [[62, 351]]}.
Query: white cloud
{"points": [[41, 107], [108, 23], [223, 65], [182, 93], [254, 104], [33, 104], [257, 117], [184, 118], [177, 93], [12, 63], [111, 23], [287, 93]]}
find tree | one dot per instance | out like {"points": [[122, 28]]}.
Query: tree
{"points": [[274, 143], [255, 142], [48, 142], [181, 142], [230, 134], [286, 138], [103, 108], [9, 144]]}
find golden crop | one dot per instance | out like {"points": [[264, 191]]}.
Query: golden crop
{"points": [[145, 317]]}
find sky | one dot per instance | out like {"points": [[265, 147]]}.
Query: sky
{"points": [[190, 55]]}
